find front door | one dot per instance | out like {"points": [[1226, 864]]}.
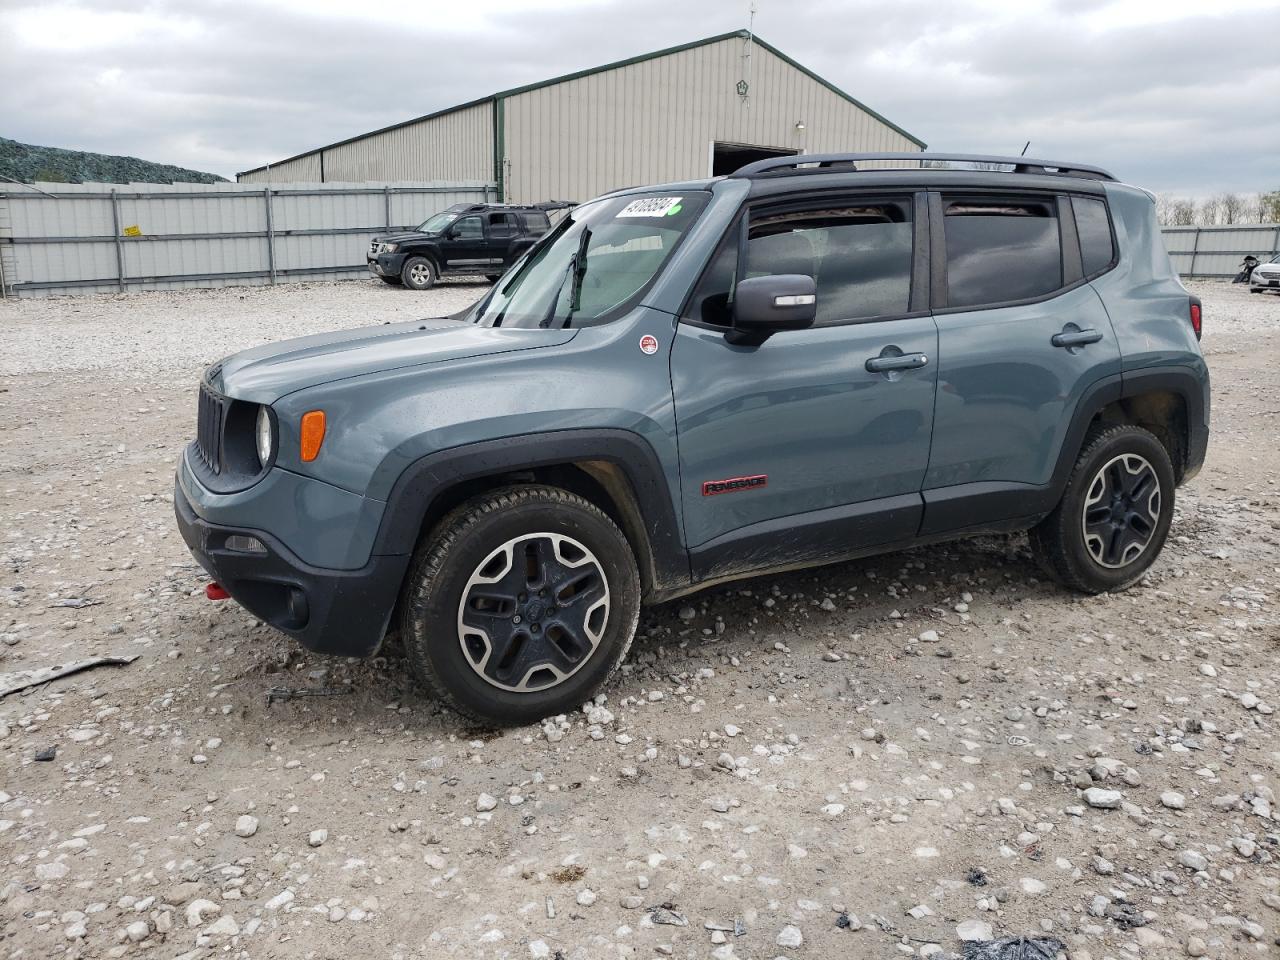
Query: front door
{"points": [[1020, 338], [465, 247], [813, 444]]}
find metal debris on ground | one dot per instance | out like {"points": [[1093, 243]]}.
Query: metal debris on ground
{"points": [[297, 693], [1014, 948], [22, 679], [76, 603], [48, 753], [669, 917]]}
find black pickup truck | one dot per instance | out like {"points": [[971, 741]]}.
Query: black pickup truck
{"points": [[467, 239]]}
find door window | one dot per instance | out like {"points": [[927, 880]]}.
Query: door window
{"points": [[468, 228], [502, 226], [858, 253], [1001, 250]]}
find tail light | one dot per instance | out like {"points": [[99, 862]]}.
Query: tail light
{"points": [[1195, 316]]}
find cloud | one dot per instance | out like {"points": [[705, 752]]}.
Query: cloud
{"points": [[1169, 100]]}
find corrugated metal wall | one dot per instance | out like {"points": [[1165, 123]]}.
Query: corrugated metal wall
{"points": [[73, 238], [1217, 251], [656, 120], [452, 146], [305, 169]]}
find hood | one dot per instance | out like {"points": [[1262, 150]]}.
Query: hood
{"points": [[405, 237], [265, 374]]}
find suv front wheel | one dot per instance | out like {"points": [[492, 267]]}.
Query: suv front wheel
{"points": [[520, 604], [1114, 516], [418, 273]]}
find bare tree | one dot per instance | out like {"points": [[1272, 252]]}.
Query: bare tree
{"points": [[1182, 213], [1269, 207], [1207, 212], [1231, 207]]}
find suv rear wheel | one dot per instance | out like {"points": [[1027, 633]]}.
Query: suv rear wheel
{"points": [[520, 604], [1114, 516], [418, 273]]}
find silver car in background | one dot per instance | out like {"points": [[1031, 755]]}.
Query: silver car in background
{"points": [[1266, 276]]}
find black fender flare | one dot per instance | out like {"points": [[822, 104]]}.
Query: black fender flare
{"points": [[423, 481]]}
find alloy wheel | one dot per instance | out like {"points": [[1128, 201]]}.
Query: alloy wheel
{"points": [[1121, 511], [533, 612]]}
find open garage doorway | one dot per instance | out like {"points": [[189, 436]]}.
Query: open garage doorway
{"points": [[728, 157]]}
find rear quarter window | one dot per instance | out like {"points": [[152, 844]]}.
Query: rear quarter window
{"points": [[1097, 249]]}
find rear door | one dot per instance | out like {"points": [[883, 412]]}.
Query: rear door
{"points": [[503, 229], [1021, 337]]}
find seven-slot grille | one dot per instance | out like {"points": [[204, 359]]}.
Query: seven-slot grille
{"points": [[212, 411], [374, 246]]}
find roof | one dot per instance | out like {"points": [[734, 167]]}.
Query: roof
{"points": [[502, 94]]}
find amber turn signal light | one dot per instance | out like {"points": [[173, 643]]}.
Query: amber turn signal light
{"points": [[312, 434]]}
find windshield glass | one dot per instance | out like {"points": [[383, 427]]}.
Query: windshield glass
{"points": [[437, 223], [595, 260]]}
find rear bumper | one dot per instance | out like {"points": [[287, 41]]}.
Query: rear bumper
{"points": [[340, 612]]}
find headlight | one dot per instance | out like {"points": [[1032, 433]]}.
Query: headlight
{"points": [[390, 247], [265, 438]]}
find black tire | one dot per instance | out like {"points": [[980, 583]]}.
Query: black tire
{"points": [[493, 277], [393, 281], [418, 273], [1121, 472], [538, 673]]}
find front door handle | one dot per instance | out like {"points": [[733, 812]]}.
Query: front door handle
{"points": [[905, 361], [1075, 338]]}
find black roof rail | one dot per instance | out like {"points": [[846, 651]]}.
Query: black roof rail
{"points": [[843, 162]]}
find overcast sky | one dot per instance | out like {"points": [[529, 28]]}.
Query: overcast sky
{"points": [[1177, 96]]}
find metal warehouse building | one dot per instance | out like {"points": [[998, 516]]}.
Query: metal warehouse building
{"points": [[704, 108]]}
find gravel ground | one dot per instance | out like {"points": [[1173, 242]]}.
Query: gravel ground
{"points": [[871, 760]]}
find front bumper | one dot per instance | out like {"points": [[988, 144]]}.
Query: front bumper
{"points": [[1262, 282], [386, 264], [340, 612]]}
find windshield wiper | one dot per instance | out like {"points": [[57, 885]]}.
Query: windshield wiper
{"points": [[577, 268]]}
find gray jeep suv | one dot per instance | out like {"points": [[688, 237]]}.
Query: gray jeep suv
{"points": [[803, 362]]}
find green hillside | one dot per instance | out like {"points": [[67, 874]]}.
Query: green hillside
{"points": [[27, 163]]}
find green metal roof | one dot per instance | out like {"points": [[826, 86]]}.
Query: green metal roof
{"points": [[503, 94]]}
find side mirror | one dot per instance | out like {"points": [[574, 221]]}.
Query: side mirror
{"points": [[764, 305]]}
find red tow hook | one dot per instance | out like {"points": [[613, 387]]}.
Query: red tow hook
{"points": [[213, 591]]}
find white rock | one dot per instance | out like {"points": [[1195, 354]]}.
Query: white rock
{"points": [[485, 802], [974, 930], [1193, 860], [137, 931], [199, 910], [279, 900], [224, 927], [1032, 886], [54, 870], [246, 825], [731, 731], [586, 897], [929, 636], [1173, 800], [1102, 799], [318, 837], [790, 936]]}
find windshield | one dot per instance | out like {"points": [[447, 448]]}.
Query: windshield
{"points": [[595, 260], [437, 223]]}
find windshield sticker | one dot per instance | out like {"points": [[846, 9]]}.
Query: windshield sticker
{"points": [[650, 207]]}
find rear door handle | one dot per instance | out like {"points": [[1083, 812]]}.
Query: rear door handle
{"points": [[906, 361], [1075, 338]]}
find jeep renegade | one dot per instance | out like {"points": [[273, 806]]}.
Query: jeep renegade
{"points": [[806, 361]]}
